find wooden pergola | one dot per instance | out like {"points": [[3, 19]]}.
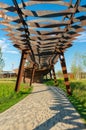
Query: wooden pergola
{"points": [[43, 34]]}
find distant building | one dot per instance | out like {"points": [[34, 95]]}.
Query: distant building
{"points": [[7, 74], [16, 71], [82, 75]]}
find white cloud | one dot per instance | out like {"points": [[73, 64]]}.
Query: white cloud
{"points": [[3, 44], [12, 52], [81, 38], [6, 46]]}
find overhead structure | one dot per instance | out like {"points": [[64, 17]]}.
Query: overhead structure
{"points": [[42, 29]]}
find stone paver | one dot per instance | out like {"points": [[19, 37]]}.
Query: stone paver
{"points": [[46, 108]]}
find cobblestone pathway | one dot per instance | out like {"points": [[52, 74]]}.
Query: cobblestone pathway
{"points": [[46, 108]]}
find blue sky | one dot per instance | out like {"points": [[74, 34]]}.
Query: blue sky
{"points": [[79, 46], [12, 55]]}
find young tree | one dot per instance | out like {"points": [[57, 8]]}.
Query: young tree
{"points": [[84, 59], [59, 74], [77, 66], [2, 64]]}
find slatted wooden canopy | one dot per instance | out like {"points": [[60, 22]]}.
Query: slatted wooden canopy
{"points": [[42, 32]]}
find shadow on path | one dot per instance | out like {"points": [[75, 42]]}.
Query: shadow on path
{"points": [[40, 91], [65, 114]]}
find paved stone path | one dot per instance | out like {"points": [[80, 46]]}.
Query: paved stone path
{"points": [[46, 108]]}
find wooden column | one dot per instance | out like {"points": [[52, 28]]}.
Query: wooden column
{"points": [[24, 77], [64, 70], [20, 72], [50, 75], [46, 77], [54, 75], [32, 75]]}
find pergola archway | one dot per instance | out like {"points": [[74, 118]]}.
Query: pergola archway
{"points": [[43, 35]]}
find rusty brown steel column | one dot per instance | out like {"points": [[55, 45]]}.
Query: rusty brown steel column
{"points": [[24, 77], [50, 75], [32, 75], [64, 70], [54, 75], [20, 72], [46, 77]]}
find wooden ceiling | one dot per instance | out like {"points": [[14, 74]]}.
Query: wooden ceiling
{"points": [[42, 31]]}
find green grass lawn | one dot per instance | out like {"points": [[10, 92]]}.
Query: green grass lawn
{"points": [[78, 98], [8, 96]]}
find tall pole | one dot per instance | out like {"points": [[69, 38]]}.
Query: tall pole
{"points": [[46, 77], [20, 72], [32, 75], [54, 75], [50, 75], [64, 70], [24, 77]]}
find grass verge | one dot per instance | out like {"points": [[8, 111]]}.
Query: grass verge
{"points": [[8, 97], [78, 98]]}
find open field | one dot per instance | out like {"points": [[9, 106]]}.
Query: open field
{"points": [[78, 98], [8, 96]]}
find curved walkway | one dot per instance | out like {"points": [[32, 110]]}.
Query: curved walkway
{"points": [[47, 108]]}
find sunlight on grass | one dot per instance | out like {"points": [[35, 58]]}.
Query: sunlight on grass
{"points": [[8, 96], [78, 98]]}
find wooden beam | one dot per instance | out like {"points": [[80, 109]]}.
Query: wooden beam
{"points": [[64, 70], [32, 75], [47, 14], [29, 3], [20, 72]]}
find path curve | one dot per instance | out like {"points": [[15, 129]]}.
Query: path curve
{"points": [[47, 108]]}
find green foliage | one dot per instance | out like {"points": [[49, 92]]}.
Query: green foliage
{"points": [[2, 64], [8, 96], [77, 66], [84, 59], [59, 81], [59, 74], [49, 82], [78, 98]]}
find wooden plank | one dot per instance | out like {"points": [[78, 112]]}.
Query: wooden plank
{"points": [[44, 37], [39, 20], [47, 14], [7, 7], [50, 25], [44, 42], [6, 17], [42, 32], [29, 3]]}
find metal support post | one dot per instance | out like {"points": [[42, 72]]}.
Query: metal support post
{"points": [[50, 75], [20, 72], [64, 70], [32, 75], [54, 75]]}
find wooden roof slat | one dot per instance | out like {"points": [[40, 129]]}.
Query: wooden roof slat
{"points": [[41, 20], [3, 5], [6, 17], [59, 2], [52, 25], [43, 36], [47, 14]]}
